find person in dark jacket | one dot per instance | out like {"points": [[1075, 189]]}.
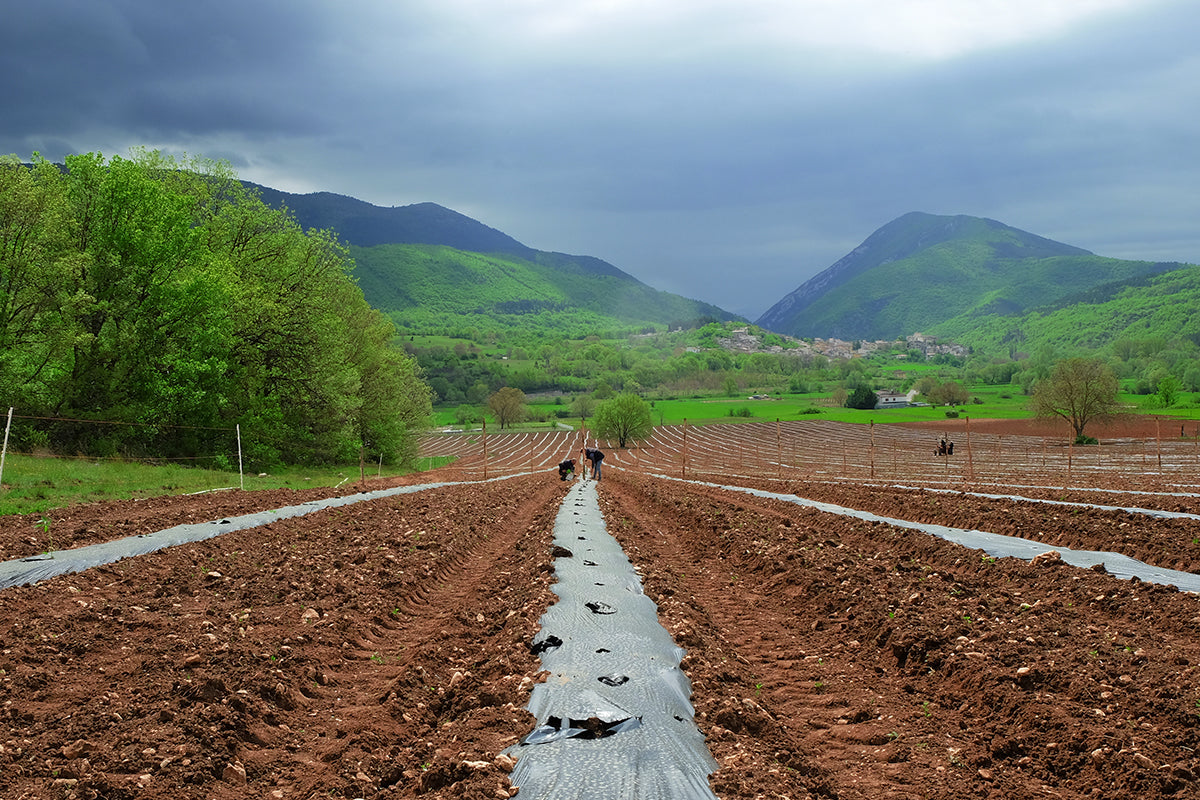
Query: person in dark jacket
{"points": [[594, 456], [566, 470]]}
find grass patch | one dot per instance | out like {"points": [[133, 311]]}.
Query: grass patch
{"points": [[34, 485]]}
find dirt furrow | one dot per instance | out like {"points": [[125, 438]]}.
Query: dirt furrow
{"points": [[898, 665], [290, 660], [23, 535], [1170, 543]]}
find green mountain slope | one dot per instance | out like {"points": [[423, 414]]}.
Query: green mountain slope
{"points": [[922, 269], [1164, 306], [434, 285], [430, 266]]}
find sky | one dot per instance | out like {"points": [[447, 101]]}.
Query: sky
{"points": [[725, 150]]}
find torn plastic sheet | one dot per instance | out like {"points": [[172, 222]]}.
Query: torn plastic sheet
{"points": [[995, 544], [614, 717], [21, 571]]}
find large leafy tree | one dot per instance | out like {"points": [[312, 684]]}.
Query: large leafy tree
{"points": [[147, 303], [37, 264], [162, 292], [1079, 390], [625, 418], [508, 404]]}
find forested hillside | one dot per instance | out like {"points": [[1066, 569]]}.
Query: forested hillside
{"points": [[1162, 306], [428, 287], [167, 301]]}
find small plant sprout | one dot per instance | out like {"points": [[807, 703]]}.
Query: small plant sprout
{"points": [[43, 525]]}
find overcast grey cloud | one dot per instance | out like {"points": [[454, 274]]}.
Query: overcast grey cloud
{"points": [[724, 149]]}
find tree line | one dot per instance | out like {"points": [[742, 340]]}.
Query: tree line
{"points": [[162, 292]]}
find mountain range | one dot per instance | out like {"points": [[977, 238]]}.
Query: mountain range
{"points": [[425, 264], [973, 279]]}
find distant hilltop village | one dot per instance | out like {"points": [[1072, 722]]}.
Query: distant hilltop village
{"points": [[741, 340]]}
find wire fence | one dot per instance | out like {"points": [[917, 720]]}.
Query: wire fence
{"points": [[225, 459]]}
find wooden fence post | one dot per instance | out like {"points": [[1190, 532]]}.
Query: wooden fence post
{"points": [[685, 453], [872, 449]]}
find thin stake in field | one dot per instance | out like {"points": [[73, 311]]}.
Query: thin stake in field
{"points": [[4, 450], [779, 450], [970, 456], [872, 448], [1071, 452], [1158, 441], [685, 450]]}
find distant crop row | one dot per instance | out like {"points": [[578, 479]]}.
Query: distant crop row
{"points": [[819, 450]]}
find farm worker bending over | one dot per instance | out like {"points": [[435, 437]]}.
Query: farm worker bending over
{"points": [[566, 469], [594, 455]]}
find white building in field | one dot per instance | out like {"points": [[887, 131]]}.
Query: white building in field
{"points": [[894, 400]]}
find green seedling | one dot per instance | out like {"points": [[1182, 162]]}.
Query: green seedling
{"points": [[44, 526]]}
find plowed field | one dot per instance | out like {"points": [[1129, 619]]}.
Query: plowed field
{"points": [[382, 649]]}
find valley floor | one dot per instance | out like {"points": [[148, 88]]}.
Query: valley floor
{"points": [[382, 649]]}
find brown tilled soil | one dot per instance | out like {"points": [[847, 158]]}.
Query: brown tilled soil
{"points": [[381, 650]]}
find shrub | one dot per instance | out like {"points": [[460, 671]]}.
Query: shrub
{"points": [[862, 397]]}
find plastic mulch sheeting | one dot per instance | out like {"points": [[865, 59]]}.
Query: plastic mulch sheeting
{"points": [[999, 545], [40, 567], [614, 718]]}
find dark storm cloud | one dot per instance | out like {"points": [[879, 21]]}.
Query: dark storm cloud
{"points": [[162, 69], [721, 150]]}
